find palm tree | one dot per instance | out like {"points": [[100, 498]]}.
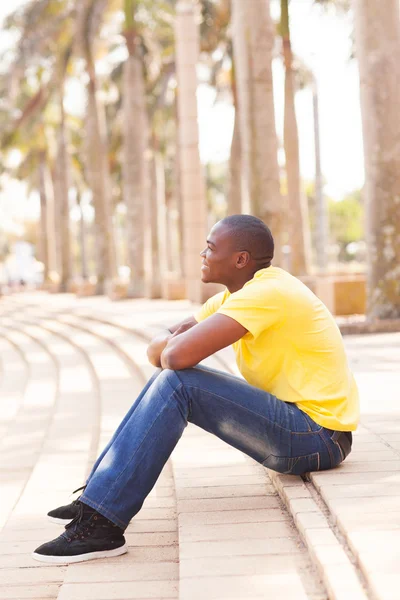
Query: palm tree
{"points": [[46, 38], [253, 39], [135, 167], [378, 48], [61, 180], [191, 176], [89, 17], [296, 205], [234, 195]]}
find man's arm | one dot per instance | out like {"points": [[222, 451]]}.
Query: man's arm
{"points": [[159, 342], [189, 348]]}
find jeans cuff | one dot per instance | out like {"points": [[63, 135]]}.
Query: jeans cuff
{"points": [[103, 511]]}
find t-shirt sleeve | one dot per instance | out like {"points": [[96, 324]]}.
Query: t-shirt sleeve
{"points": [[210, 307], [254, 308]]}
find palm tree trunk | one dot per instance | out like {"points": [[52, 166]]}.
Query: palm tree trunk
{"points": [[43, 241], [378, 50], [82, 238], [63, 200], [299, 233], [98, 177], [192, 181], [152, 276], [322, 224], [176, 227], [253, 39], [235, 180], [235, 176], [135, 146], [161, 213]]}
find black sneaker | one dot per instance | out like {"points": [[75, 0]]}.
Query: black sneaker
{"points": [[65, 514], [88, 536]]}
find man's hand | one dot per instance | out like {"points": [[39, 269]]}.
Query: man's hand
{"points": [[189, 348], [183, 327], [159, 342]]}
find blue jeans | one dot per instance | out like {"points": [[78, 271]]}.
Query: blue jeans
{"points": [[276, 434]]}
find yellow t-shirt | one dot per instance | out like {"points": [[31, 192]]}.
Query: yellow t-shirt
{"points": [[293, 348]]}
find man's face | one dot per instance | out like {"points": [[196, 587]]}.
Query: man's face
{"points": [[218, 257]]}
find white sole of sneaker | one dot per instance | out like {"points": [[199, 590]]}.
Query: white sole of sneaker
{"points": [[59, 521], [66, 560]]}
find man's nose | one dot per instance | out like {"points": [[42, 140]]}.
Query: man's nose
{"points": [[203, 253]]}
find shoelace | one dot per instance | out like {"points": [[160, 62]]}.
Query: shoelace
{"points": [[78, 490], [80, 527]]}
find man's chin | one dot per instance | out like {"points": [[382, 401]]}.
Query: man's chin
{"points": [[205, 277]]}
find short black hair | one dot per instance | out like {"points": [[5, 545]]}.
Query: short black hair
{"points": [[252, 234]]}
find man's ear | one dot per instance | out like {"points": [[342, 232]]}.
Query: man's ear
{"points": [[242, 259]]}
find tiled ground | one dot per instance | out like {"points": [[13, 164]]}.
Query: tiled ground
{"points": [[215, 525]]}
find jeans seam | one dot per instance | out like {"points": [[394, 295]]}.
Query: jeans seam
{"points": [[244, 407], [329, 450], [112, 515], [137, 450]]}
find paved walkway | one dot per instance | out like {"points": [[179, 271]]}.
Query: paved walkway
{"points": [[217, 525]]}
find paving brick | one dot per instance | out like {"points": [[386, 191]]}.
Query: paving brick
{"points": [[293, 492], [225, 491], [233, 516], [310, 520], [329, 554], [127, 570], [220, 472], [285, 586], [16, 547], [286, 480], [206, 504], [152, 539], [39, 592], [340, 505], [242, 547], [370, 490], [119, 591], [153, 526], [342, 582], [153, 554], [159, 502], [367, 466], [262, 564], [18, 576], [155, 513], [320, 537], [221, 481], [365, 457], [30, 535], [298, 505], [381, 477], [372, 521], [385, 586], [196, 533]]}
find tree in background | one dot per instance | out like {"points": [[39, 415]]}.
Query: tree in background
{"points": [[89, 17], [135, 167], [296, 206], [253, 39], [378, 49]]}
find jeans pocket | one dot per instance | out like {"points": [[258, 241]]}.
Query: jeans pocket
{"points": [[297, 465], [342, 441]]}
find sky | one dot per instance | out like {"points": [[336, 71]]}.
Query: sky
{"points": [[323, 42]]}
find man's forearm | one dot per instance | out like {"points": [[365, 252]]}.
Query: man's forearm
{"points": [[160, 341]]}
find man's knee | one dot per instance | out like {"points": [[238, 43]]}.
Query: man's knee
{"points": [[175, 384]]}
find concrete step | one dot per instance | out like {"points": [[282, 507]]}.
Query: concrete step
{"points": [[268, 535]]}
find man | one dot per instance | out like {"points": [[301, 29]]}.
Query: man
{"points": [[293, 413]]}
